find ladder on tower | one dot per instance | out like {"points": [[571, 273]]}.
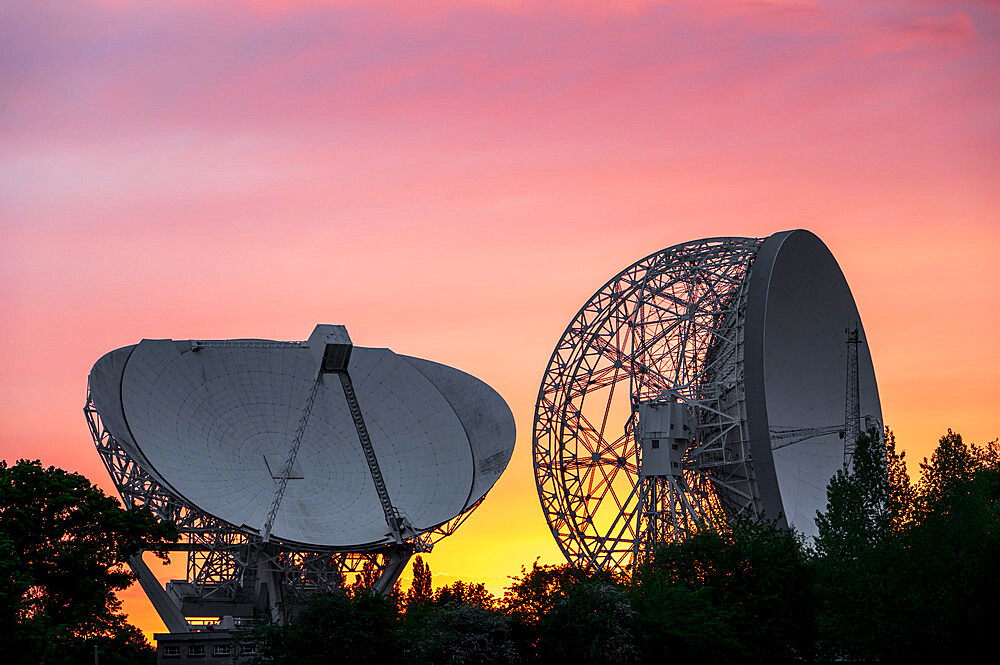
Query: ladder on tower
{"points": [[852, 415]]}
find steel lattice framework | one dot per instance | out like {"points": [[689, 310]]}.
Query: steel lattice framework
{"points": [[668, 328], [225, 563]]}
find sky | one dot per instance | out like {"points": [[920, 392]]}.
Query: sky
{"points": [[453, 179]]}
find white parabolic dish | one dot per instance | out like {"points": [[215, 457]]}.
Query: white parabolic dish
{"points": [[215, 423], [798, 305]]}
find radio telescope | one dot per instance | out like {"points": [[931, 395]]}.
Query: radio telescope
{"points": [[702, 383], [291, 467]]}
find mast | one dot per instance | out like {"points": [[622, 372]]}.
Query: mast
{"points": [[852, 417]]}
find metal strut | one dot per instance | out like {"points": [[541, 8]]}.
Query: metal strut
{"points": [[782, 437], [398, 525], [293, 453], [199, 344]]}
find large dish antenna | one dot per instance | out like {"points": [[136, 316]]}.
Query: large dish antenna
{"points": [[716, 378], [289, 466]]}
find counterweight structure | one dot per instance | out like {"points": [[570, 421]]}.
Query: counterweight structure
{"points": [[701, 383], [291, 467]]}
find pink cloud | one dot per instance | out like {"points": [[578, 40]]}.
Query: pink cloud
{"points": [[948, 34], [186, 105], [149, 65], [957, 27]]}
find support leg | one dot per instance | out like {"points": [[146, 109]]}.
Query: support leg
{"points": [[162, 602], [399, 556]]}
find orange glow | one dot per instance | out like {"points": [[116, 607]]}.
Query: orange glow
{"points": [[455, 182]]}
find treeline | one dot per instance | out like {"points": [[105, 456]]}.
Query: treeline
{"points": [[900, 572]]}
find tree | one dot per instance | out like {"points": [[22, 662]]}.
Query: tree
{"points": [[63, 548], [947, 479], [954, 550], [421, 588], [458, 633], [462, 593], [861, 552], [534, 594], [908, 573], [564, 614], [358, 628], [459, 623], [592, 623], [756, 580], [676, 617], [868, 505], [366, 579]]}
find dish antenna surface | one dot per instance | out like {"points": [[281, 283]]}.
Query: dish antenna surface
{"points": [[289, 466], [703, 382]]}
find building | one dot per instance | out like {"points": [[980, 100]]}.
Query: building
{"points": [[207, 647]]}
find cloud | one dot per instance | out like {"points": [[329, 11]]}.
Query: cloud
{"points": [[938, 34], [593, 8], [95, 70], [168, 105], [956, 28]]}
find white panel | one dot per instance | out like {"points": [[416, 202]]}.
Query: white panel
{"points": [[105, 384], [422, 449], [487, 420]]}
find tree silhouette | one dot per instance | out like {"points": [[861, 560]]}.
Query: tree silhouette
{"points": [[954, 550], [461, 593], [421, 588], [908, 573], [355, 628], [749, 589], [63, 546], [860, 549]]}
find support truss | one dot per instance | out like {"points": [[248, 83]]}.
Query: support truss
{"points": [[667, 328]]}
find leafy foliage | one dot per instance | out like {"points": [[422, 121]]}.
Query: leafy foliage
{"points": [[563, 614], [861, 549], [350, 628], [747, 590], [907, 572], [461, 593], [593, 623], [869, 506], [533, 596], [680, 619], [63, 546], [422, 588], [458, 632], [953, 550]]}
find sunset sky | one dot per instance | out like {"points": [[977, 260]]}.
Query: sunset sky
{"points": [[453, 179]]}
